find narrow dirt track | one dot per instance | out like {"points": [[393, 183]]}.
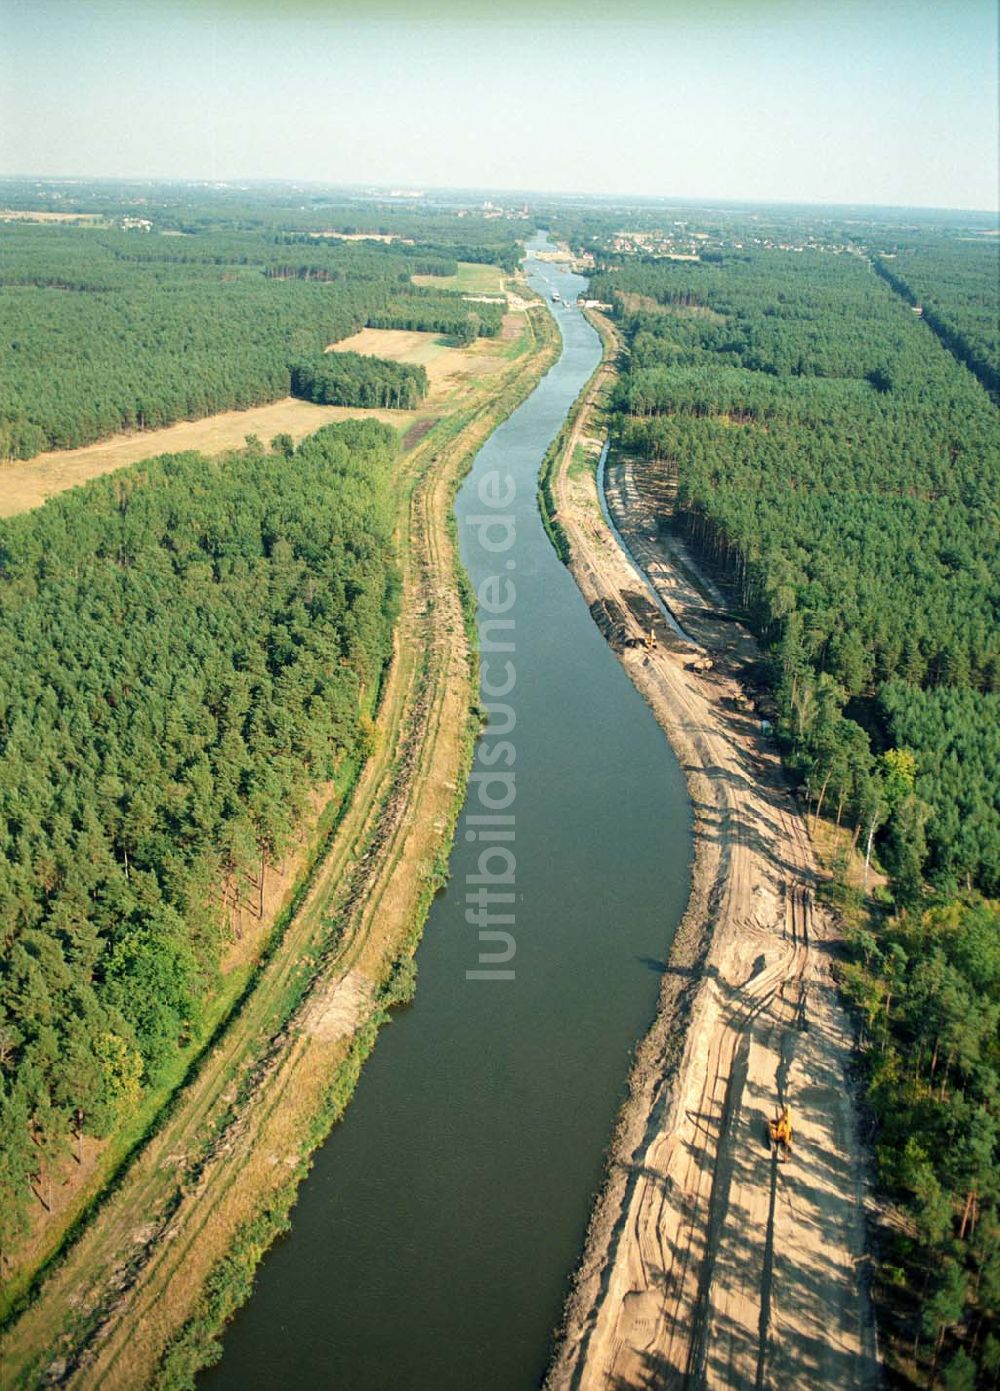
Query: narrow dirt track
{"points": [[709, 1263]]}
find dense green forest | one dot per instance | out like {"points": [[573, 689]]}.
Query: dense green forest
{"points": [[103, 330], [954, 733], [448, 224], [927, 987], [954, 282], [839, 469], [189, 648], [355, 379]]}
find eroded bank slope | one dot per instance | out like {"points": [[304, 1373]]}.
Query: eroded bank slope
{"points": [[708, 1263]]}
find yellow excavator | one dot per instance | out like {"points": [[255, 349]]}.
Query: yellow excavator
{"points": [[780, 1130]]}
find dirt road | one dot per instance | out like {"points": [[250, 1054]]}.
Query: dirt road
{"points": [[709, 1263]]}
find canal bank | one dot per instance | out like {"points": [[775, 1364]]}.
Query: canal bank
{"points": [[432, 1244], [701, 1266]]}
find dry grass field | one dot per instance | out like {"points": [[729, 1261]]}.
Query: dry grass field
{"points": [[399, 344], [446, 367], [385, 237], [14, 215], [25, 484]]}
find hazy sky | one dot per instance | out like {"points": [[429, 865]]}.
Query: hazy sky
{"points": [[874, 101]]}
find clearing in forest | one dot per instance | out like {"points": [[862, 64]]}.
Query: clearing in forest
{"points": [[445, 365], [472, 279], [25, 484], [16, 215], [396, 344]]}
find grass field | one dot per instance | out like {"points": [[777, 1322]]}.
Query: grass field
{"points": [[472, 279], [584, 460], [399, 344], [446, 366]]}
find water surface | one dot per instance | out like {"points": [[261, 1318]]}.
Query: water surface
{"points": [[433, 1241]]}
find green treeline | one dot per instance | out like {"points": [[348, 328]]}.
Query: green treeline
{"points": [[189, 648], [437, 311], [840, 467], [956, 284], [841, 470], [927, 988], [954, 733], [354, 379], [103, 331]]}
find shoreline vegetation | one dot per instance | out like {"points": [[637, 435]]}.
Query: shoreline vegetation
{"points": [[331, 999]]}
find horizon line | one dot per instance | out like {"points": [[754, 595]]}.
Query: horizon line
{"points": [[236, 181]]}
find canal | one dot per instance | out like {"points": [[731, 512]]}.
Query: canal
{"points": [[433, 1242]]}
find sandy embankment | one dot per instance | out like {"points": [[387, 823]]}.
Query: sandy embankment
{"points": [[707, 1263]]}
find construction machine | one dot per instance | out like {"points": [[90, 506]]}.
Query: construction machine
{"points": [[780, 1130], [649, 642]]}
